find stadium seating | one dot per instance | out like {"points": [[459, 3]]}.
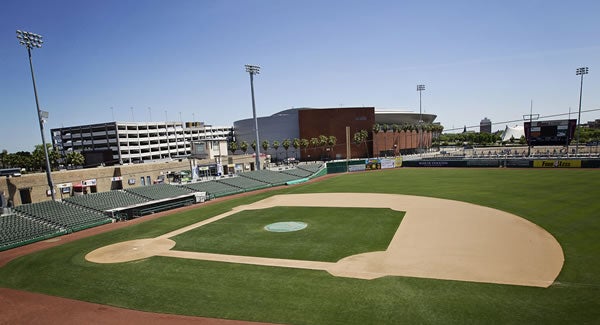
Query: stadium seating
{"points": [[244, 183], [17, 230], [68, 217], [160, 191], [214, 189], [311, 167], [270, 177], [299, 173], [104, 201]]}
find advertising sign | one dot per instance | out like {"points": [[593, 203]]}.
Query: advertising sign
{"points": [[557, 163], [89, 182], [387, 163]]}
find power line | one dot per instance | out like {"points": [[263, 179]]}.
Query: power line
{"points": [[520, 120]]}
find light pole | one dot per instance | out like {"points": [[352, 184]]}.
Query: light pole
{"points": [[31, 40], [580, 71], [252, 70], [420, 89]]}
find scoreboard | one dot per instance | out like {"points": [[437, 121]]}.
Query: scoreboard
{"points": [[543, 133]]}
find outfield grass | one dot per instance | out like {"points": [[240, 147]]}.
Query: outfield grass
{"points": [[564, 202], [332, 233]]}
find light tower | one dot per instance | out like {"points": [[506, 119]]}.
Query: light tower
{"points": [[420, 89], [252, 70], [30, 41], [580, 71]]}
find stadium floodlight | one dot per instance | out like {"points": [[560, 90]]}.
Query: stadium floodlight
{"points": [[252, 70], [580, 71], [420, 89], [30, 41]]}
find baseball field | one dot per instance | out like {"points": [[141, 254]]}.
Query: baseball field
{"points": [[384, 247]]}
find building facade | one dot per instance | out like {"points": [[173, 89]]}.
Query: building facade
{"points": [[134, 142], [307, 123], [485, 125]]}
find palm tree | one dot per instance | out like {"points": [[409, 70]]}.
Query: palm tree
{"points": [[322, 143], [304, 144], [286, 145], [361, 137], [244, 146], [75, 158], [265, 145], [331, 141], [233, 146], [253, 145], [275, 146], [296, 143]]}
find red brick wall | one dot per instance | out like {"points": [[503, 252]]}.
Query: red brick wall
{"points": [[333, 121], [403, 140]]}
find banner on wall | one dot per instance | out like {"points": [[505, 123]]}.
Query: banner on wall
{"points": [[557, 163], [398, 162], [356, 168], [372, 164], [387, 163], [89, 182]]}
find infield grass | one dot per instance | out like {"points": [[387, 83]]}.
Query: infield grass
{"points": [[564, 202], [332, 233]]}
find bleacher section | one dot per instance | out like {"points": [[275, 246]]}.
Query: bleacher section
{"points": [[313, 167], [17, 230], [38, 221], [69, 217], [270, 177], [214, 189], [297, 172], [246, 184], [104, 201], [160, 191]]}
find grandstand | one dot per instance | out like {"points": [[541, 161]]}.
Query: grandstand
{"points": [[270, 177], [213, 188], [105, 201], [311, 167], [17, 230], [244, 183], [38, 221], [297, 172], [160, 191], [68, 217]]}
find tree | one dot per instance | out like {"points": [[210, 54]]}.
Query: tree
{"points": [[314, 142], [244, 146], [232, 146], [331, 141], [253, 145], [75, 158], [286, 145], [361, 137], [39, 157], [376, 128], [296, 144], [322, 143], [3, 157], [304, 144], [275, 146], [265, 145]]}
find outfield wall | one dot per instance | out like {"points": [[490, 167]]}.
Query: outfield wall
{"points": [[510, 163]]}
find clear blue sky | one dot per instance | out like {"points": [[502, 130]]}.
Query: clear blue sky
{"points": [[477, 59]]}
